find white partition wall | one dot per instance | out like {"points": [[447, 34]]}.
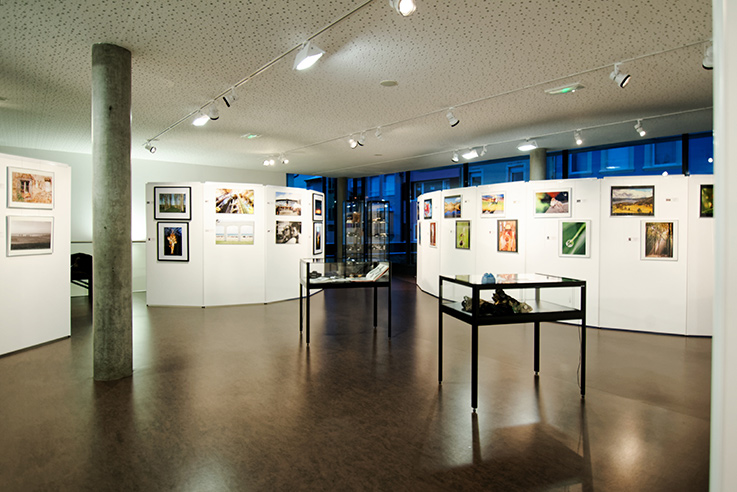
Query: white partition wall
{"points": [[457, 205], [34, 287], [664, 289], [428, 261], [236, 254]]}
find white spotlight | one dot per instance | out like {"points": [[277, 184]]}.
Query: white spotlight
{"points": [[230, 97], [200, 119], [451, 118], [361, 139], [640, 129], [283, 159], [307, 56], [577, 137], [378, 133], [150, 147], [404, 7], [470, 154], [527, 145], [213, 113], [352, 142], [620, 78], [455, 157], [708, 61]]}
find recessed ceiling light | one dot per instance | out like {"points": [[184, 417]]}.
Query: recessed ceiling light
{"points": [[389, 83], [250, 136]]}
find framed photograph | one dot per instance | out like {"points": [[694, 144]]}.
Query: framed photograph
{"points": [[317, 208], [506, 236], [427, 209], [659, 240], [463, 234], [492, 205], [452, 207], [556, 203], [317, 238], [575, 238], [30, 235], [433, 234], [419, 233], [234, 232], [288, 204], [173, 241], [707, 201], [632, 200], [172, 203], [30, 188], [288, 232], [233, 201]]}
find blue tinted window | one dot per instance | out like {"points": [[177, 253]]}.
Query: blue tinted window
{"points": [[701, 154], [499, 171]]}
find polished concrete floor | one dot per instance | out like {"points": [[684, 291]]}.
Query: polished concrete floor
{"points": [[233, 399]]}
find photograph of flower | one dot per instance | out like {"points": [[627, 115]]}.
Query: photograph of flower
{"points": [[553, 203], [463, 234]]}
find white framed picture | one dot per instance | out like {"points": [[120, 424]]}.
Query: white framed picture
{"points": [[574, 238], [30, 188], [27, 235], [553, 203], [492, 204], [173, 241], [172, 203], [659, 240]]}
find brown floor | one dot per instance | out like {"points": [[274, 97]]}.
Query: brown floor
{"points": [[232, 399]]}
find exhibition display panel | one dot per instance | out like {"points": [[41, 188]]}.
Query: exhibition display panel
{"points": [[318, 274], [476, 312]]}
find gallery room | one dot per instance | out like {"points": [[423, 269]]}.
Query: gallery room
{"points": [[367, 245]]}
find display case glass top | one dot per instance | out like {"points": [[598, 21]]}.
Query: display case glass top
{"points": [[315, 271], [508, 280]]}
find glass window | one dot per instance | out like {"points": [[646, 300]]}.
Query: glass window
{"points": [[616, 159], [701, 154], [498, 171], [554, 165]]}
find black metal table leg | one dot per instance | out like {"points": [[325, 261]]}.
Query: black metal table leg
{"points": [[375, 323], [389, 307], [307, 315], [537, 347], [583, 341], [301, 299], [440, 333], [474, 366]]}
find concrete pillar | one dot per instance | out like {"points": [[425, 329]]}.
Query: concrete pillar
{"points": [[111, 212], [723, 476], [538, 164], [341, 191]]}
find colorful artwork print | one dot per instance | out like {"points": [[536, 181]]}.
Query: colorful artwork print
{"points": [[463, 234], [172, 203], [233, 201], [30, 235], [428, 209], [492, 204], [317, 213], [452, 207], [173, 241], [549, 203], [659, 240], [288, 204], [234, 232], [632, 200], [30, 188], [288, 232], [433, 234], [574, 238], [317, 237], [707, 201], [507, 236]]}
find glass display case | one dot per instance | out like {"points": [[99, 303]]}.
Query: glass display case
{"points": [[353, 241], [316, 273], [377, 230]]}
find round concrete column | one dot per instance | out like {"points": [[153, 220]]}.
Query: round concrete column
{"points": [[111, 212], [538, 164]]}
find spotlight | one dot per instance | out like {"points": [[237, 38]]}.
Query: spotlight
{"points": [[620, 78], [455, 157], [482, 151], [213, 113], [378, 133], [150, 147], [283, 159], [361, 139], [269, 161], [352, 142], [527, 145], [200, 119], [307, 56], [451, 118], [470, 154], [577, 137], [230, 97], [708, 61], [404, 7], [640, 129]]}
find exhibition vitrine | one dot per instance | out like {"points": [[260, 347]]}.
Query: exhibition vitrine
{"points": [[367, 230]]}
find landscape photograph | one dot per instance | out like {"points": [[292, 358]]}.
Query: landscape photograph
{"points": [[633, 200]]}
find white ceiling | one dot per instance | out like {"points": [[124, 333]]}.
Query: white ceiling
{"points": [[491, 60]]}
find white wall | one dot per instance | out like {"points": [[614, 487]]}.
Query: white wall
{"points": [[142, 172], [34, 290], [624, 291]]}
